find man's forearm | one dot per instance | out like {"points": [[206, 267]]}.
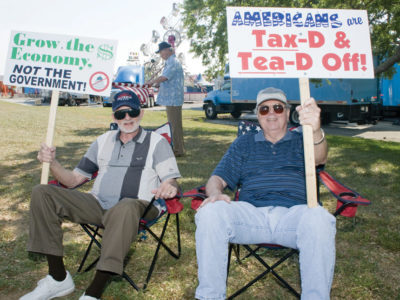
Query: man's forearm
{"points": [[158, 80], [215, 185], [320, 147], [66, 177]]}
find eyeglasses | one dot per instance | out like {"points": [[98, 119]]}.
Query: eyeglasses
{"points": [[278, 109], [120, 114]]}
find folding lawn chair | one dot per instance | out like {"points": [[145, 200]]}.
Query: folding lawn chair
{"points": [[172, 207], [347, 202]]}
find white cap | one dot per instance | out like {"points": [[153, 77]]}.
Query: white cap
{"points": [[271, 93]]}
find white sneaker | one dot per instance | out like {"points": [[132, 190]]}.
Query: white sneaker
{"points": [[48, 288], [85, 297]]}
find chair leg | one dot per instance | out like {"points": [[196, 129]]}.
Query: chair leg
{"points": [[269, 269], [165, 246], [272, 268], [93, 233], [130, 281], [178, 235], [153, 262], [229, 260]]}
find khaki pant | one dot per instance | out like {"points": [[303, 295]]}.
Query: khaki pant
{"points": [[50, 205], [174, 115]]}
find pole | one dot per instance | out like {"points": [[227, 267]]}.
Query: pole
{"points": [[308, 142], [50, 133]]}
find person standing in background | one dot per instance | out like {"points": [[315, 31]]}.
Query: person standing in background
{"points": [[170, 94]]}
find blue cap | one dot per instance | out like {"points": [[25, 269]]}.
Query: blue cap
{"points": [[125, 98]]}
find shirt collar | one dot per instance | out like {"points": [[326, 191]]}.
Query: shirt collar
{"points": [[170, 58], [259, 137]]}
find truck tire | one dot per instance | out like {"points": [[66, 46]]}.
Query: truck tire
{"points": [[325, 118], [294, 116], [71, 102], [236, 114], [210, 111]]}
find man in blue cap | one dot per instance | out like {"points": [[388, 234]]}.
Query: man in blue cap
{"points": [[170, 94], [120, 194]]}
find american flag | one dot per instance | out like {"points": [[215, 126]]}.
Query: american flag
{"points": [[253, 127], [143, 92], [248, 127]]}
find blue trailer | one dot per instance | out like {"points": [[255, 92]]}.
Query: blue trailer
{"points": [[352, 100], [390, 94]]}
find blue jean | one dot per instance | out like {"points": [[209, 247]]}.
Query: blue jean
{"points": [[310, 230]]}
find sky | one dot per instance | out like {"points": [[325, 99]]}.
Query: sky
{"points": [[130, 22]]}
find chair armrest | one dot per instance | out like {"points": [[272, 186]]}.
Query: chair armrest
{"points": [[174, 205], [198, 195], [340, 191]]}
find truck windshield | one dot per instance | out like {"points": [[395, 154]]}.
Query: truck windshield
{"points": [[226, 86]]}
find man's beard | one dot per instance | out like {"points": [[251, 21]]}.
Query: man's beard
{"points": [[125, 130]]}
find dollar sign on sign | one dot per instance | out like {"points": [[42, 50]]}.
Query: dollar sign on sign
{"points": [[105, 52]]}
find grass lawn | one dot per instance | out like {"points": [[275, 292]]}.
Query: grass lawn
{"points": [[368, 250]]}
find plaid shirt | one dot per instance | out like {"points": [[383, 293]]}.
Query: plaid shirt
{"points": [[171, 91]]}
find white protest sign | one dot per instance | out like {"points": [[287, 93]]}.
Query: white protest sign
{"points": [[299, 42], [60, 62]]}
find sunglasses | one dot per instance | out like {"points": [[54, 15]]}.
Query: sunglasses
{"points": [[120, 114], [278, 109]]}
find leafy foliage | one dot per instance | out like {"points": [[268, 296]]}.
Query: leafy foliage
{"points": [[205, 21]]}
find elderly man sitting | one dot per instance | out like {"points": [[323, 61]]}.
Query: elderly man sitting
{"points": [[133, 165], [272, 206]]}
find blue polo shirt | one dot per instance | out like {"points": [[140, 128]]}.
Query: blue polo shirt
{"points": [[269, 174], [171, 91]]}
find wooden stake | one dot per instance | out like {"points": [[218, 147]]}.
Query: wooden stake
{"points": [[308, 142], [50, 133]]}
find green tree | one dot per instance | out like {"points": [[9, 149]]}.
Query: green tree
{"points": [[205, 22]]}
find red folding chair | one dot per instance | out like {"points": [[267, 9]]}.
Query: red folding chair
{"points": [[348, 201], [173, 207]]}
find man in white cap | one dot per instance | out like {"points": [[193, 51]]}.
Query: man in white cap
{"points": [[171, 93], [272, 206]]}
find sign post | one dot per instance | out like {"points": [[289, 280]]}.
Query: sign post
{"points": [[59, 63], [50, 134], [308, 142], [275, 42]]}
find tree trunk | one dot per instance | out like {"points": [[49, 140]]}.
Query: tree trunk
{"points": [[389, 62]]}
